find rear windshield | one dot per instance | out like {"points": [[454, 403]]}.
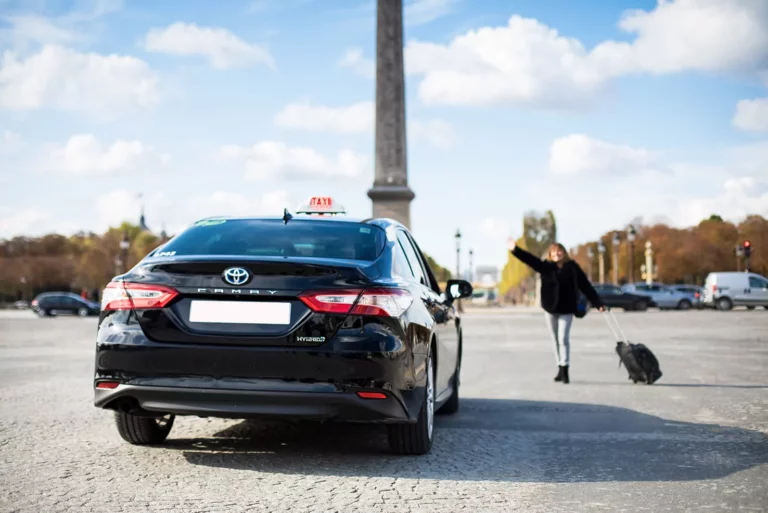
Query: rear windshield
{"points": [[273, 238]]}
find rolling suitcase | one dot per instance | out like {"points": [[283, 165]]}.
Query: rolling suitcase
{"points": [[640, 362]]}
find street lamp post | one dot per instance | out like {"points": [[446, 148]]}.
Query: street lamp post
{"points": [[458, 265], [601, 261], [649, 270], [124, 245], [471, 265], [458, 254], [615, 242], [631, 239], [590, 256]]}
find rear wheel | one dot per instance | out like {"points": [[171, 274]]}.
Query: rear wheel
{"points": [[684, 304], [724, 303], [143, 430], [416, 439]]}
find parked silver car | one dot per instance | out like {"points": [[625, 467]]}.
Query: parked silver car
{"points": [[663, 296], [695, 293]]}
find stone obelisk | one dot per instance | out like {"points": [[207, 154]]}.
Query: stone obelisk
{"points": [[390, 194]]}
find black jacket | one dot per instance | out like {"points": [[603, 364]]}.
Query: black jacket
{"points": [[560, 285]]}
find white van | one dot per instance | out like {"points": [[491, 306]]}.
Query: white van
{"points": [[726, 290]]}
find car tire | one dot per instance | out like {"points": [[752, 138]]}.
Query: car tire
{"points": [[724, 304], [143, 430], [684, 304], [82, 312], [640, 306], [750, 308], [416, 438]]}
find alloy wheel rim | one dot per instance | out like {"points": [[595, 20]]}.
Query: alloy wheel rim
{"points": [[430, 400]]}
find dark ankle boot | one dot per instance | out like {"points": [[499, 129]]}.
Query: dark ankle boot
{"points": [[566, 379], [559, 376]]}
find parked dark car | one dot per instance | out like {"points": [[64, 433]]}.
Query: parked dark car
{"points": [[615, 297], [54, 303], [298, 318]]}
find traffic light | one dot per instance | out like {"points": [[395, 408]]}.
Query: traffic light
{"points": [[747, 248]]}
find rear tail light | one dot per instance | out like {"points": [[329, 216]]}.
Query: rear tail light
{"points": [[107, 384], [696, 294], [383, 302], [339, 302], [714, 289], [34, 302], [135, 296], [371, 395], [376, 302]]}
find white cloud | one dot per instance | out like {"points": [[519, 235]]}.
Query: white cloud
{"points": [[529, 62], [84, 154], [739, 197], [358, 118], [752, 115], [495, 228], [63, 79], [22, 221], [352, 119], [354, 59], [579, 154], [221, 47], [437, 132], [27, 30], [35, 29], [268, 160], [10, 142], [702, 35], [116, 207], [420, 12], [524, 62], [732, 183], [225, 203]]}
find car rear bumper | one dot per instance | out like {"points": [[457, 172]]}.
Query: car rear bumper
{"points": [[253, 381], [250, 403]]}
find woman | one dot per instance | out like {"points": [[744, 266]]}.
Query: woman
{"points": [[561, 280]]}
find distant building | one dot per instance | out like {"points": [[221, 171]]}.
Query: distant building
{"points": [[487, 276], [143, 221]]}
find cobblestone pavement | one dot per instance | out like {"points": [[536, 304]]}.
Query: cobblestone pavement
{"points": [[696, 441]]}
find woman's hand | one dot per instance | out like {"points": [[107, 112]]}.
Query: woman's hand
{"points": [[511, 244]]}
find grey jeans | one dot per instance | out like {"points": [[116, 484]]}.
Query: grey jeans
{"points": [[560, 328]]}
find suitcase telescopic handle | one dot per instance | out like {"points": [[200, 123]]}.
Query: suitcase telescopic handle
{"points": [[610, 317]]}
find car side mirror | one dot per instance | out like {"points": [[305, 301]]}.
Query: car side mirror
{"points": [[458, 289]]}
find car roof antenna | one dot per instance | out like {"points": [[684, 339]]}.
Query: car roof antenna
{"points": [[286, 216]]}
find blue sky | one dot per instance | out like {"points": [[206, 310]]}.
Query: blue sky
{"points": [[604, 112]]}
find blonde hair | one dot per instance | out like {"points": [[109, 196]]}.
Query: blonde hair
{"points": [[554, 247]]}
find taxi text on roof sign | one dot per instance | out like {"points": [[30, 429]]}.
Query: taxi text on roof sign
{"points": [[321, 205]]}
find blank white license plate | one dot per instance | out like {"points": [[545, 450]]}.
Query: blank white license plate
{"points": [[240, 312]]}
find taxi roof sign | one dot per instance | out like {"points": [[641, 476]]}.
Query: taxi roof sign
{"points": [[321, 205]]}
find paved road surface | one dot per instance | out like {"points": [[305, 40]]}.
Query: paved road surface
{"points": [[696, 441]]}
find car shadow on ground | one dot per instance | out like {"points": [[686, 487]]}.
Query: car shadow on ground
{"points": [[496, 440], [678, 385]]}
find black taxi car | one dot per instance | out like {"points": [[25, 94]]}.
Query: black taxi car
{"points": [[299, 317]]}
